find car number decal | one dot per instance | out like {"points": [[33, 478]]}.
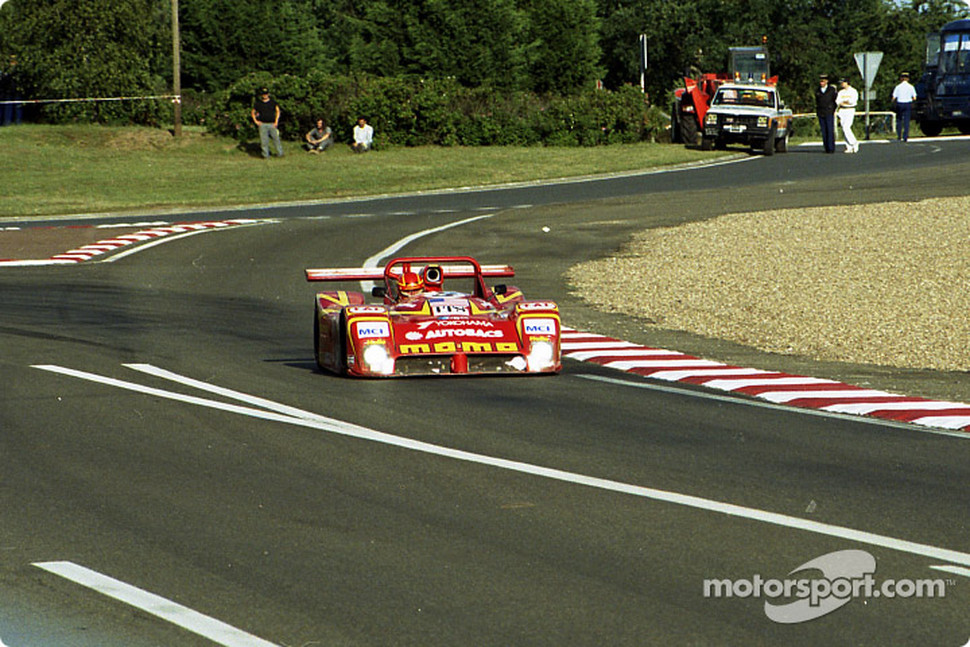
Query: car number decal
{"points": [[450, 307]]}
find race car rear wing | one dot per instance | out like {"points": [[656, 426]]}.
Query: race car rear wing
{"points": [[456, 271]]}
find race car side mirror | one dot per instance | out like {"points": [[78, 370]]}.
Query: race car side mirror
{"points": [[500, 289], [378, 291]]}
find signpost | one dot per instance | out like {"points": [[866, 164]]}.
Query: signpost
{"points": [[643, 62], [868, 63]]}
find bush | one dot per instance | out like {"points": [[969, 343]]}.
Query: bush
{"points": [[416, 112]]}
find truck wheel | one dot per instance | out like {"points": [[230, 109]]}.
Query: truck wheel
{"points": [[768, 148], [781, 144], [688, 130], [707, 143], [931, 128]]}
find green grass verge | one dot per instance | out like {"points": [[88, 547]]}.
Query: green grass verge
{"points": [[54, 170]]}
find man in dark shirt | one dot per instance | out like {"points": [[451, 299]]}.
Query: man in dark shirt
{"points": [[266, 116], [825, 110]]}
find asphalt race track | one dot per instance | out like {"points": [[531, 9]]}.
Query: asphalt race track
{"points": [[175, 471]]}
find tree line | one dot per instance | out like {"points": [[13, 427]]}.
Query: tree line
{"points": [[542, 48]]}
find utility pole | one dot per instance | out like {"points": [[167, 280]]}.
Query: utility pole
{"points": [[176, 69]]}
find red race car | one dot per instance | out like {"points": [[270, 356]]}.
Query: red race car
{"points": [[424, 327]]}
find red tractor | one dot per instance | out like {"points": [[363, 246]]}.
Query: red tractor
{"points": [[747, 64]]}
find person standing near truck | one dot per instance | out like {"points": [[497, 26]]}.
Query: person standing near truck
{"points": [[904, 95], [825, 110], [846, 100]]}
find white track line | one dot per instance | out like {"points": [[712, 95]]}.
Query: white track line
{"points": [[584, 355], [628, 364], [956, 570], [737, 384], [180, 236], [762, 404], [870, 407], [184, 617], [569, 346], [310, 420], [846, 394], [678, 375], [256, 401]]}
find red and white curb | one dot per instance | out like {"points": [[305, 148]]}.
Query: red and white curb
{"points": [[774, 386], [87, 252]]}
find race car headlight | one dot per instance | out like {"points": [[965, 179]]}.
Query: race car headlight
{"points": [[710, 119], [541, 355], [762, 122], [377, 359]]}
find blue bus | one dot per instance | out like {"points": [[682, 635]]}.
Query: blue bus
{"points": [[943, 92]]}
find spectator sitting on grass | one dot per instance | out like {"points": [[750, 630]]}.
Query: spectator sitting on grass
{"points": [[320, 138], [363, 136]]}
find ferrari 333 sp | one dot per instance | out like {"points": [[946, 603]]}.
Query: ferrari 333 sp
{"points": [[421, 326]]}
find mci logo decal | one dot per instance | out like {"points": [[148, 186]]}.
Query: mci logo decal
{"points": [[539, 326], [372, 329]]}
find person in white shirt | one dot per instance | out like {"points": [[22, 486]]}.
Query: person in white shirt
{"points": [[904, 95], [363, 136], [846, 100]]}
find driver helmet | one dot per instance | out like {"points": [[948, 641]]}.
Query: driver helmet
{"points": [[409, 284]]}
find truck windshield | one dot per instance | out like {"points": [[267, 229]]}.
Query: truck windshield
{"points": [[955, 53], [744, 97]]}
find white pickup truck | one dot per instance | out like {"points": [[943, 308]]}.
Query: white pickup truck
{"points": [[750, 114]]}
